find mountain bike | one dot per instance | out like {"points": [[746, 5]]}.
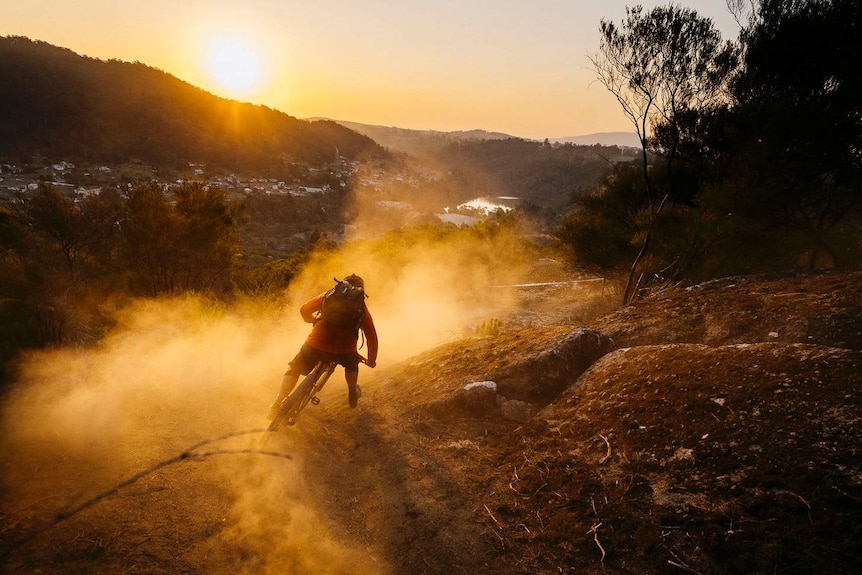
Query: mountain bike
{"points": [[305, 393]]}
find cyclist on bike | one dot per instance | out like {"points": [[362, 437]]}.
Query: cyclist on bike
{"points": [[330, 342]]}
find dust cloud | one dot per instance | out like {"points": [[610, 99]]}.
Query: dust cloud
{"points": [[175, 372], [425, 286]]}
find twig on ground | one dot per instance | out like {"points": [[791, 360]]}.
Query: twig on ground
{"points": [[499, 536], [516, 479], [800, 498], [608, 455], [845, 494], [595, 531], [680, 564], [497, 523]]}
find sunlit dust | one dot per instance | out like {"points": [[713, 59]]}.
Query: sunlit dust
{"points": [[236, 65], [189, 371]]}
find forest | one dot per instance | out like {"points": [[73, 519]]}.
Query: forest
{"points": [[755, 144]]}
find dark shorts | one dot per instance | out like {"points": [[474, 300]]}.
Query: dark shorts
{"points": [[308, 357]]}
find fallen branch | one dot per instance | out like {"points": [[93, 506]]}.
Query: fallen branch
{"points": [[516, 479], [499, 536], [188, 454], [800, 498], [542, 486]]}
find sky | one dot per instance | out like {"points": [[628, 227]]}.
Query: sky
{"points": [[521, 68]]}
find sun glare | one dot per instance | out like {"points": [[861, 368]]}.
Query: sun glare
{"points": [[236, 66]]}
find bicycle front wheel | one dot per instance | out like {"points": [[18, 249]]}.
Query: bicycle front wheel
{"points": [[290, 408]]}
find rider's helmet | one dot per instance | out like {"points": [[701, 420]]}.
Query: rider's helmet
{"points": [[355, 281]]}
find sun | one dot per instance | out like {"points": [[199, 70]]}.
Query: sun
{"points": [[236, 65]]}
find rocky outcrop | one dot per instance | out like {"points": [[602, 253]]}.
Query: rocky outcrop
{"points": [[540, 378], [517, 391]]}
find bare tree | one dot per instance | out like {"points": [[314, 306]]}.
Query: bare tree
{"points": [[744, 11], [659, 65]]}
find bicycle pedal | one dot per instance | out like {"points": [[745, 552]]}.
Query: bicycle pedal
{"points": [[315, 400]]}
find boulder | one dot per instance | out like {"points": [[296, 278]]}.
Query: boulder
{"points": [[542, 377], [517, 411], [471, 401]]}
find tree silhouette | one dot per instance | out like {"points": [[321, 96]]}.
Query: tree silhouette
{"points": [[187, 245], [798, 122], [78, 227], [659, 65]]}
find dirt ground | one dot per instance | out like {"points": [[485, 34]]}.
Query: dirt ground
{"points": [[719, 434]]}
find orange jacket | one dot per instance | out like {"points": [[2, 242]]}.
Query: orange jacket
{"points": [[335, 339]]}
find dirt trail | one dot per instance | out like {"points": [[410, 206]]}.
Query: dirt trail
{"points": [[379, 490], [358, 491], [391, 491]]}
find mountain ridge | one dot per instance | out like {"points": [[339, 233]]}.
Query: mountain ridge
{"points": [[391, 135], [54, 102]]}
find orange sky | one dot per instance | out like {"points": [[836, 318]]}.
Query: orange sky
{"points": [[500, 65]]}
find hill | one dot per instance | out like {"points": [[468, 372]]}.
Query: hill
{"points": [[422, 143], [419, 143], [708, 430], [480, 163], [547, 175], [628, 139], [59, 104]]}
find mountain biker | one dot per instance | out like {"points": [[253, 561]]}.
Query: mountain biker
{"points": [[330, 342]]}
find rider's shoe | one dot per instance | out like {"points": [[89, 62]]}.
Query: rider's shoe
{"points": [[353, 395], [273, 410]]}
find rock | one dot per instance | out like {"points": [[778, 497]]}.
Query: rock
{"points": [[542, 377], [475, 384], [472, 401], [517, 411]]}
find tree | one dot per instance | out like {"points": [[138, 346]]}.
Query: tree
{"points": [[150, 240], [659, 65], [78, 227], [207, 234], [185, 246], [797, 112], [599, 233]]}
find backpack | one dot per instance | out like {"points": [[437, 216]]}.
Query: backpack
{"points": [[343, 305]]}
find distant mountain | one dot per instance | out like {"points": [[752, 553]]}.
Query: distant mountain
{"points": [[628, 139], [56, 103], [491, 163], [429, 142], [420, 143]]}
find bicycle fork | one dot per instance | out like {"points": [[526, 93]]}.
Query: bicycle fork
{"points": [[321, 381]]}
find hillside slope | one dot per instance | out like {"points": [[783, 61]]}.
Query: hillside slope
{"points": [[713, 430], [59, 104], [420, 143]]}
